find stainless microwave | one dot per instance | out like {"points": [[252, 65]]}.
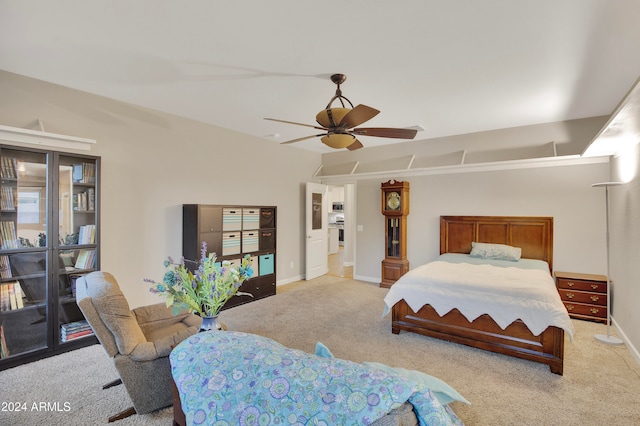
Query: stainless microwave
{"points": [[338, 207]]}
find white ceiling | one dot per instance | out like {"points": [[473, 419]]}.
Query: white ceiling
{"points": [[452, 67]]}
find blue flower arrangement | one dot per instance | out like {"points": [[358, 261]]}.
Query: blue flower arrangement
{"points": [[205, 291]]}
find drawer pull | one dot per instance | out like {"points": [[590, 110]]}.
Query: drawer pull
{"points": [[570, 295], [595, 298], [570, 283], [594, 286], [594, 310], [570, 307]]}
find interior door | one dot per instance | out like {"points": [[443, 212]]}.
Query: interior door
{"points": [[317, 249]]}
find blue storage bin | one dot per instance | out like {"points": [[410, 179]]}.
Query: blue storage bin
{"points": [[266, 264]]}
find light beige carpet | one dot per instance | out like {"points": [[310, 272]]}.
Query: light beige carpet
{"points": [[600, 386]]}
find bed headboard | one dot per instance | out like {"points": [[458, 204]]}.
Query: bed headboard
{"points": [[533, 234]]}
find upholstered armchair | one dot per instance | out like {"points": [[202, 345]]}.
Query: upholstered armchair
{"points": [[138, 340]]}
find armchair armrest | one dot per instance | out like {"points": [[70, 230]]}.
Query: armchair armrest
{"points": [[148, 351]]}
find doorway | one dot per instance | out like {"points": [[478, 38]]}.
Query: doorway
{"points": [[341, 221]]}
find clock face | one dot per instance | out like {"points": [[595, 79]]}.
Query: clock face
{"points": [[393, 201]]}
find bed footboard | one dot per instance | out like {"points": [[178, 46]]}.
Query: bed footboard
{"points": [[483, 333]]}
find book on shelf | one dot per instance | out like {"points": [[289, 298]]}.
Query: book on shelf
{"points": [[4, 352], [8, 234], [74, 330], [4, 298], [5, 268], [8, 196], [91, 199], [13, 303], [76, 335], [11, 296], [9, 167], [84, 201], [71, 327], [77, 173], [19, 295], [85, 259], [84, 173], [87, 234]]}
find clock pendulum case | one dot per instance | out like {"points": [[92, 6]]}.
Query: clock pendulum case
{"points": [[395, 208]]}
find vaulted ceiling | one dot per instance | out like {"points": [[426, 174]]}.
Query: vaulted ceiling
{"points": [[451, 67]]}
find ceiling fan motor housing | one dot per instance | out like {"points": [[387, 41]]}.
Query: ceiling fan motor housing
{"points": [[330, 118]]}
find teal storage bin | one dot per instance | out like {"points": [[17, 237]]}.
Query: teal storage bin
{"points": [[266, 264]]}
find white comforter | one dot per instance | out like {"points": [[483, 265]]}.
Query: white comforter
{"points": [[506, 294]]}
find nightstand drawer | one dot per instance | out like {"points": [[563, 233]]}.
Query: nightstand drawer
{"points": [[583, 297], [581, 309], [580, 285]]}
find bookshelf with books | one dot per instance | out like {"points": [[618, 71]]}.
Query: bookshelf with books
{"points": [[49, 236]]}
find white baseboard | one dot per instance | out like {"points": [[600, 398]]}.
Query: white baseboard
{"points": [[289, 280], [623, 336], [367, 279]]}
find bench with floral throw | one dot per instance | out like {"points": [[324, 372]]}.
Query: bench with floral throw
{"points": [[239, 378]]}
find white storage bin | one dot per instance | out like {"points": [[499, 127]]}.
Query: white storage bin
{"points": [[250, 218], [230, 243], [231, 219], [250, 241], [254, 266]]}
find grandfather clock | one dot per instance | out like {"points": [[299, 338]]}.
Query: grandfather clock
{"points": [[395, 208]]}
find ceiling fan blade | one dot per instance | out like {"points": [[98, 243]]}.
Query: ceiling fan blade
{"points": [[386, 132], [302, 139], [356, 145], [357, 116], [297, 124]]}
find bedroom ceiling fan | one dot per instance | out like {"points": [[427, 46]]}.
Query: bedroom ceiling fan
{"points": [[338, 124]]}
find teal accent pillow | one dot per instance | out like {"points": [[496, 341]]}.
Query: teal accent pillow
{"points": [[323, 351], [495, 251], [441, 390]]}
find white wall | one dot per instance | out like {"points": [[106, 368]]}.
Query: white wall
{"points": [[152, 163], [562, 192], [625, 246]]}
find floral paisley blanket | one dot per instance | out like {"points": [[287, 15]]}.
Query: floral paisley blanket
{"points": [[233, 378]]}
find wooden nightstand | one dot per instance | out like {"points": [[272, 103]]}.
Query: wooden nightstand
{"points": [[584, 295]]}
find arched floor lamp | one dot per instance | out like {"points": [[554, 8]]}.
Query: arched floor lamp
{"points": [[608, 338]]}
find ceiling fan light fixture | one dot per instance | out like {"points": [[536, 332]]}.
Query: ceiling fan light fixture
{"points": [[338, 140], [325, 117]]}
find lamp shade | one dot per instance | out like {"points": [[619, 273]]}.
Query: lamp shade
{"points": [[338, 140], [324, 117]]}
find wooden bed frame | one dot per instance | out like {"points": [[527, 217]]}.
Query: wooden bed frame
{"points": [[535, 236]]}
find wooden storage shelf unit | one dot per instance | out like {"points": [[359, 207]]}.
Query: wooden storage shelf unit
{"points": [[233, 232], [584, 295]]}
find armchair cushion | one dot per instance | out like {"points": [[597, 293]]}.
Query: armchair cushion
{"points": [[153, 317], [162, 330], [114, 311]]}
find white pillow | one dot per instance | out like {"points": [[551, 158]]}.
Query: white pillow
{"points": [[495, 251]]}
